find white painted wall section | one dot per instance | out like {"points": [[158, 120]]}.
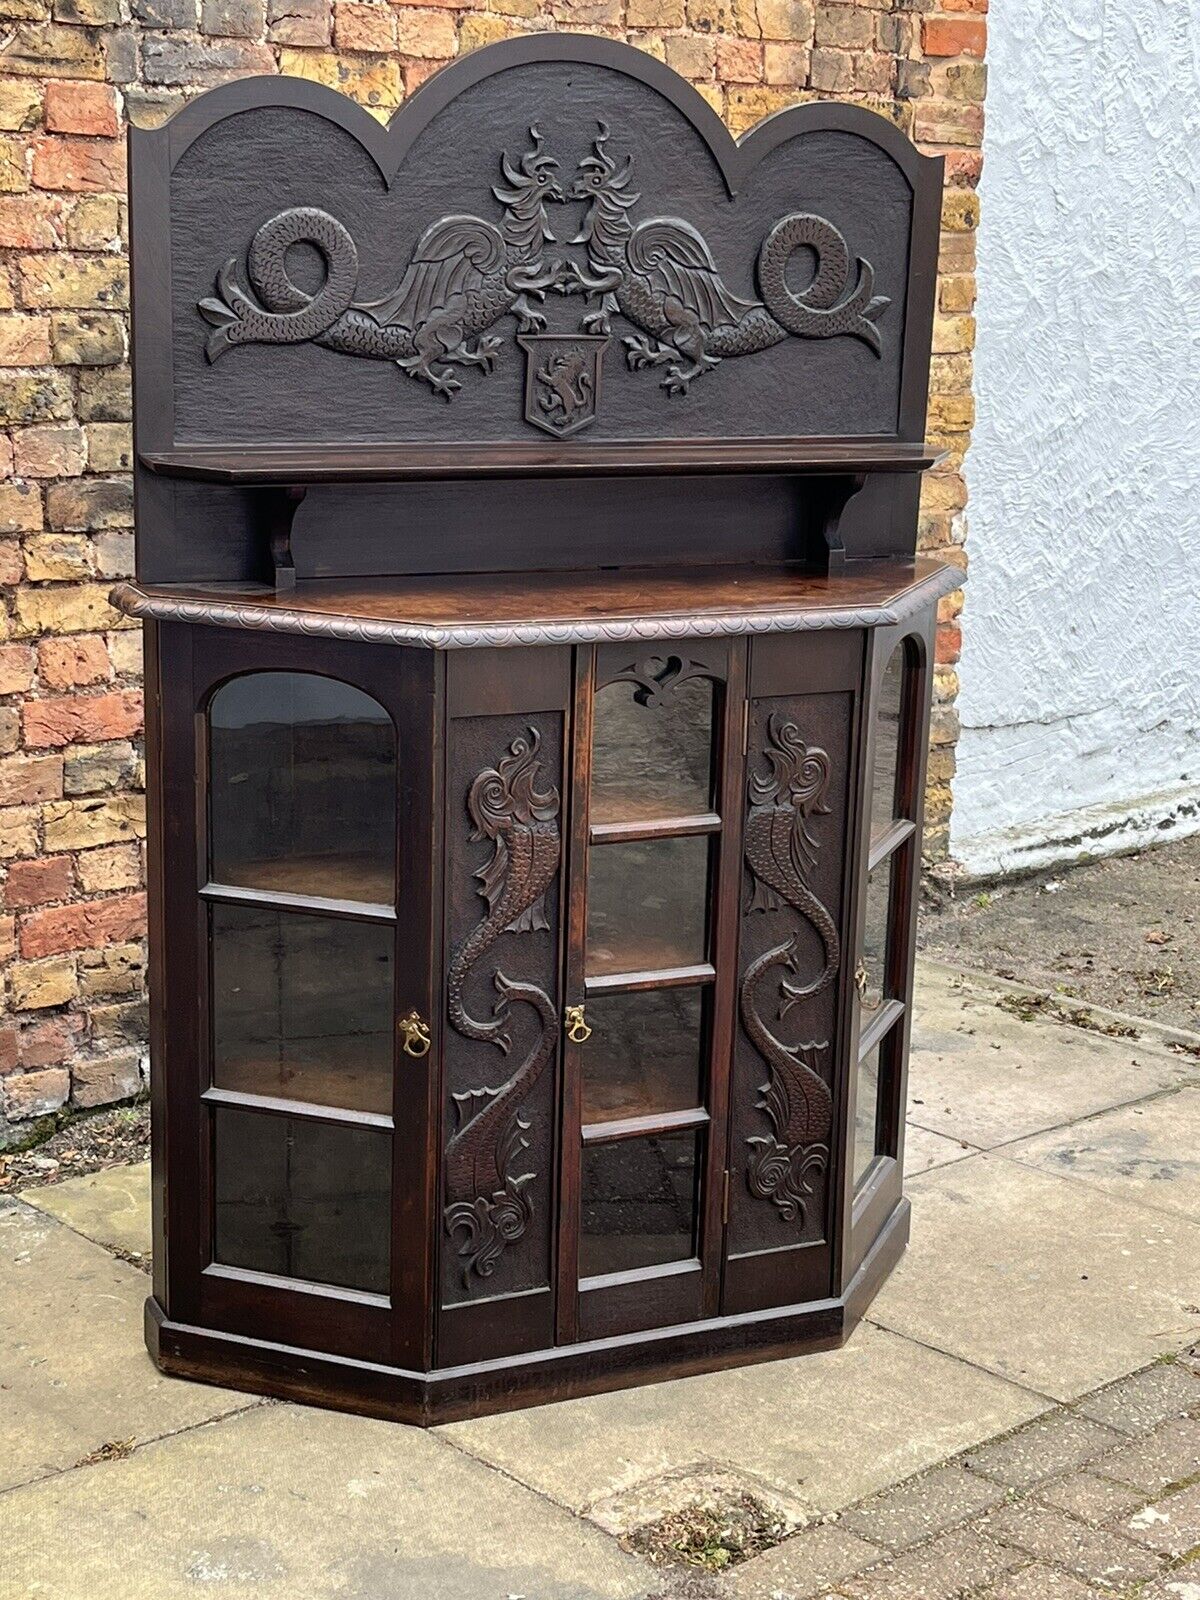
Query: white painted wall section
{"points": [[1080, 677]]}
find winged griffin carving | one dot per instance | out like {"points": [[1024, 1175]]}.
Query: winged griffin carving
{"points": [[466, 274], [662, 277]]}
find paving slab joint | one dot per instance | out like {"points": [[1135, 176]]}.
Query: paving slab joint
{"points": [[1073, 1011]]}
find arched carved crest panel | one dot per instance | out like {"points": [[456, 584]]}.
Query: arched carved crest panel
{"points": [[554, 235]]}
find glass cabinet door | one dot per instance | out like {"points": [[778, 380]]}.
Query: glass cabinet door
{"points": [[297, 779], [642, 1059], [884, 951], [301, 934]]}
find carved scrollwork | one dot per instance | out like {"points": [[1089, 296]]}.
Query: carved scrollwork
{"points": [[657, 678], [781, 853], [487, 1204]]}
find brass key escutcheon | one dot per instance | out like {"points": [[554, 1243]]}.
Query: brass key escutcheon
{"points": [[577, 1028], [416, 1035]]}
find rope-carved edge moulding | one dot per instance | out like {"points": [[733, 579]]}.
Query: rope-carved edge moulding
{"points": [[488, 1206], [136, 602], [781, 854], [467, 274]]}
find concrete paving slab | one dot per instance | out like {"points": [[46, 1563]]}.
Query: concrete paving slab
{"points": [[828, 1429], [1148, 1152], [1041, 1280], [112, 1207], [294, 1502], [924, 1150], [981, 1074], [74, 1372]]}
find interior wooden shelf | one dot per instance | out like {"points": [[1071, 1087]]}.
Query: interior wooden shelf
{"points": [[283, 465], [360, 1083], [344, 879], [639, 1125], [489, 609], [644, 967], [889, 839], [638, 1085], [613, 818]]}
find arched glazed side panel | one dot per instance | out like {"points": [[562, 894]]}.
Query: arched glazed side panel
{"points": [[884, 951], [302, 788], [895, 748]]}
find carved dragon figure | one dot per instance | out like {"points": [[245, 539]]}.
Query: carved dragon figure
{"points": [[464, 276], [486, 1204], [781, 854], [662, 277]]}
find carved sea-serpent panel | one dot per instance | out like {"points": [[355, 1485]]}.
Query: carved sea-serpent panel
{"points": [[787, 994], [489, 1164], [469, 274]]}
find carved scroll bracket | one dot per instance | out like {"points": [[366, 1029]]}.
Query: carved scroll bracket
{"points": [[657, 679], [830, 497], [278, 512]]}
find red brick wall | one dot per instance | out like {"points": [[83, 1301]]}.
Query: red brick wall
{"points": [[72, 72]]}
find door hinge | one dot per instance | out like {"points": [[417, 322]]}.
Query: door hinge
{"points": [[725, 1199]]}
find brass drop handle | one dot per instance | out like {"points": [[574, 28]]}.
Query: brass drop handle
{"points": [[577, 1028], [861, 981], [416, 1035]]}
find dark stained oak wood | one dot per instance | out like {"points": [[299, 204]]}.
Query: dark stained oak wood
{"points": [[563, 608], [571, 1369], [274, 465], [626, 627]]}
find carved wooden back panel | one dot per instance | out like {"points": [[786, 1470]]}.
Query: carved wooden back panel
{"points": [[555, 241]]}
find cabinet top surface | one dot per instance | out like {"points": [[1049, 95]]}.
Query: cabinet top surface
{"points": [[490, 609]]}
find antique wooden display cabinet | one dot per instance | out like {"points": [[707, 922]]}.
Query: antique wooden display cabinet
{"points": [[538, 673]]}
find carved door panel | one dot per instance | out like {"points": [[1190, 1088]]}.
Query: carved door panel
{"points": [[786, 1093], [649, 983], [504, 787]]}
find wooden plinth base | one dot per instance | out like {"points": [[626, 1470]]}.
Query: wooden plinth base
{"points": [[449, 1394]]}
